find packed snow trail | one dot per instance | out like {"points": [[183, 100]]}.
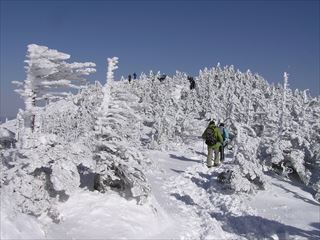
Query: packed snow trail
{"points": [[185, 183], [191, 191]]}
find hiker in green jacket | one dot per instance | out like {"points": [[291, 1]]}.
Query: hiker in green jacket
{"points": [[214, 140]]}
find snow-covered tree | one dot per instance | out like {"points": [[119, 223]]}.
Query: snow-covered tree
{"points": [[50, 168], [118, 163], [112, 65], [48, 76]]}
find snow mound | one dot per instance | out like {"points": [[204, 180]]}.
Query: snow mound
{"points": [[92, 215]]}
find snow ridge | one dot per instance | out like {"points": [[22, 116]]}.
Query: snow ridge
{"points": [[99, 139]]}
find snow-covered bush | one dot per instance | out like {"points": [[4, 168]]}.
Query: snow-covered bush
{"points": [[73, 117], [246, 171], [44, 168], [168, 109], [119, 162], [119, 168], [45, 172], [282, 122]]}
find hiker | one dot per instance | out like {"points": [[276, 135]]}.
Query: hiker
{"points": [[225, 136], [134, 76], [129, 78], [214, 140], [162, 78], [192, 82]]}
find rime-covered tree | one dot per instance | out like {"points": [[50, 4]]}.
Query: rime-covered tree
{"points": [[49, 169], [118, 164], [112, 65], [48, 76]]}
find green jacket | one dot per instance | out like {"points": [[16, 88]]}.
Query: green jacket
{"points": [[217, 135]]}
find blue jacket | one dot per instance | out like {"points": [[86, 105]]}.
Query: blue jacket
{"points": [[224, 133]]}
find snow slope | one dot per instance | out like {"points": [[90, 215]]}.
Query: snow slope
{"points": [[187, 202]]}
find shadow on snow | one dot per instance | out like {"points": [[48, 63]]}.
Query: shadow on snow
{"points": [[296, 195], [184, 198], [177, 171], [251, 227], [258, 227], [182, 158]]}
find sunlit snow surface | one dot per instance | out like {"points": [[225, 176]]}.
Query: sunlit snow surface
{"points": [[187, 202], [94, 215]]}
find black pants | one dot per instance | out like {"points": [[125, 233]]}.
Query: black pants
{"points": [[221, 149]]}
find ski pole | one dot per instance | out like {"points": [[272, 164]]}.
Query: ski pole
{"points": [[204, 161]]}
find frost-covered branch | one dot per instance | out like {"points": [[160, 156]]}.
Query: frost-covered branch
{"points": [[112, 65]]}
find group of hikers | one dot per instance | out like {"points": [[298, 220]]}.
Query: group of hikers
{"points": [[130, 77], [163, 77], [192, 82], [134, 75], [216, 138]]}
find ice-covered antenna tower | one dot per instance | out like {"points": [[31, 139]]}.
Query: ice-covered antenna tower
{"points": [[112, 65]]}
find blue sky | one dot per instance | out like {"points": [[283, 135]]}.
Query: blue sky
{"points": [[267, 37]]}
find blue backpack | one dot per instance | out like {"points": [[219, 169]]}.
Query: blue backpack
{"points": [[225, 134]]}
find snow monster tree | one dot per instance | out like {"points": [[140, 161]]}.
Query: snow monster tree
{"points": [[48, 76]]}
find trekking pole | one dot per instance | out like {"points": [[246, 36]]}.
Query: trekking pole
{"points": [[204, 161], [203, 146]]}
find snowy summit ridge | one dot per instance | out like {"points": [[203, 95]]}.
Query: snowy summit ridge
{"points": [[98, 140]]}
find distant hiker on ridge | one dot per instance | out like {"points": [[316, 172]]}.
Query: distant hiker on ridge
{"points": [[192, 82], [134, 76], [214, 140], [162, 78], [129, 78]]}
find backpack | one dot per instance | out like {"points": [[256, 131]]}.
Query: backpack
{"points": [[209, 136]]}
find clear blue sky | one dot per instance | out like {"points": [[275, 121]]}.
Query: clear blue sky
{"points": [[267, 37]]}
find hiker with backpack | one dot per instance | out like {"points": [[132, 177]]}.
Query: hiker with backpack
{"points": [[129, 78], [214, 140], [192, 82], [225, 136], [162, 77]]}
